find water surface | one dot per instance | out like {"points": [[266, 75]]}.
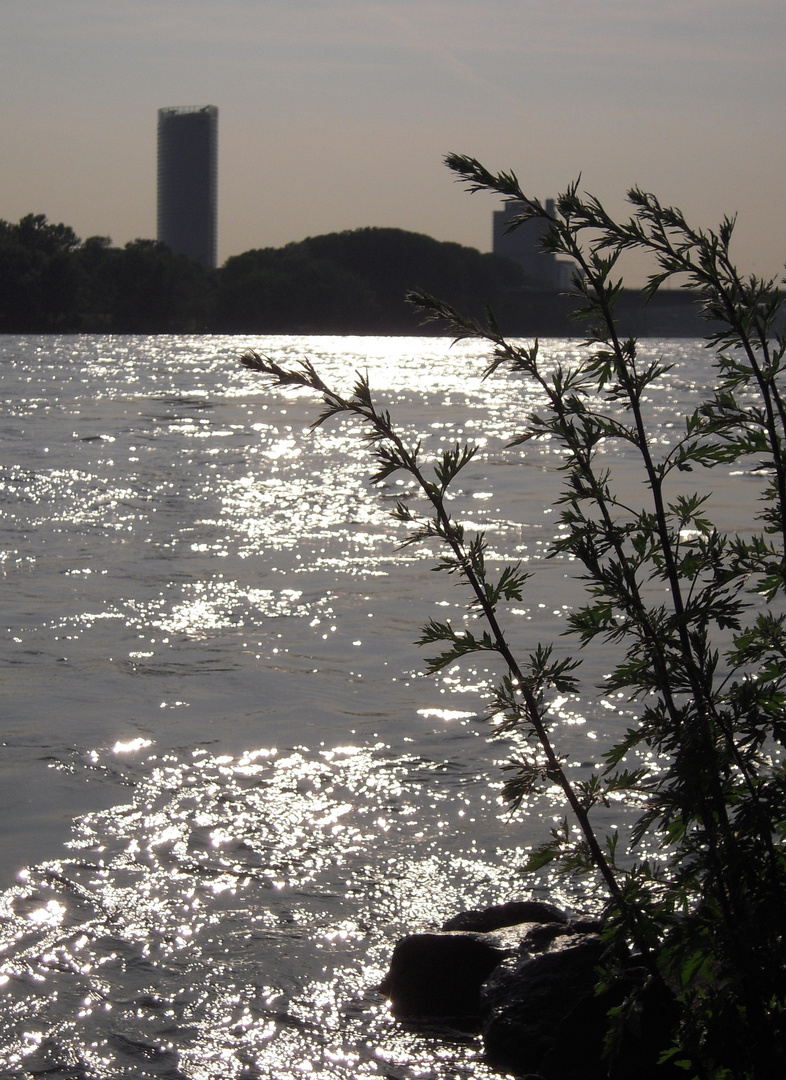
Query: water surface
{"points": [[226, 790]]}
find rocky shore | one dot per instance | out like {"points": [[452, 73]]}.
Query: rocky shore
{"points": [[524, 976]]}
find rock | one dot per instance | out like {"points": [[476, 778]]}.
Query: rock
{"points": [[510, 914], [526, 999], [525, 976], [541, 1014], [438, 976], [579, 1044]]}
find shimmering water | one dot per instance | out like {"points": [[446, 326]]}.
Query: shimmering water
{"points": [[225, 789]]}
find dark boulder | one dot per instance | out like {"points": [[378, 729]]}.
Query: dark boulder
{"points": [[510, 914], [525, 976], [438, 976], [542, 1015], [650, 1024], [525, 1000]]}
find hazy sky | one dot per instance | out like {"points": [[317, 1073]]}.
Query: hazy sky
{"points": [[335, 114]]}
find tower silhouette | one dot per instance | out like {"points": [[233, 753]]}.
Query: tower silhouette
{"points": [[188, 181]]}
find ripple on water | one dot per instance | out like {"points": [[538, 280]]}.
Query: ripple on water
{"points": [[233, 919], [177, 558]]}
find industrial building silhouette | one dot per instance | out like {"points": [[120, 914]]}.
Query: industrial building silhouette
{"points": [[543, 270], [188, 181]]}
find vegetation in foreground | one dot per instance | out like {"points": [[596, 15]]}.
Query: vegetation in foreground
{"points": [[692, 619]]}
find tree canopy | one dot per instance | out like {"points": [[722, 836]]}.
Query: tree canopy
{"points": [[347, 282], [352, 282]]}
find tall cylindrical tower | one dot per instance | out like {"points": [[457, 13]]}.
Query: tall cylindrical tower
{"points": [[188, 181]]}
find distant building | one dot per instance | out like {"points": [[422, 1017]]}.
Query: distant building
{"points": [[543, 269], [188, 181]]}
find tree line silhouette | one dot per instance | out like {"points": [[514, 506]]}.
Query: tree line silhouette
{"points": [[51, 281]]}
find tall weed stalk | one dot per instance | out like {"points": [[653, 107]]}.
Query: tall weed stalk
{"points": [[693, 618]]}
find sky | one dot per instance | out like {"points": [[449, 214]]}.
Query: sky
{"points": [[336, 114]]}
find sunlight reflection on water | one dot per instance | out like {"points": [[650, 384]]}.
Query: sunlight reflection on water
{"points": [[208, 663], [172, 913]]}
